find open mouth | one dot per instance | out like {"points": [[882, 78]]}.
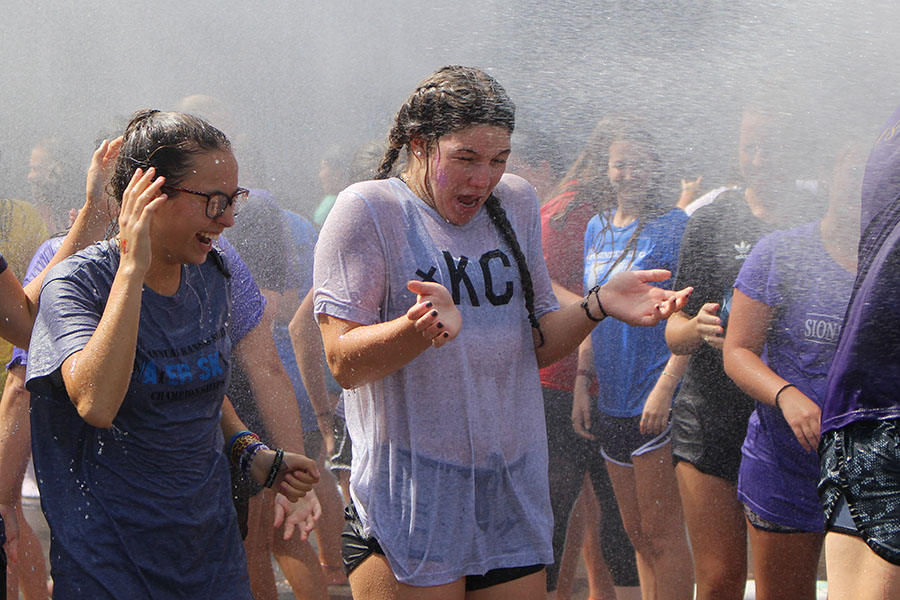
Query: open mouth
{"points": [[207, 238], [469, 201]]}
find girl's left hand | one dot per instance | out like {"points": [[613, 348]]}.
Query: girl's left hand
{"points": [[657, 408], [296, 475], [301, 515], [629, 297]]}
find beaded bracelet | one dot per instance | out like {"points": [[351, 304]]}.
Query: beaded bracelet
{"points": [[238, 443], [276, 464], [248, 455]]}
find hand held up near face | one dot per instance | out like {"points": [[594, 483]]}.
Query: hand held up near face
{"points": [[629, 297], [139, 201], [434, 313]]}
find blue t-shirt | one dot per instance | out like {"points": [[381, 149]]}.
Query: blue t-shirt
{"points": [[629, 359], [792, 272], [246, 301], [142, 509]]}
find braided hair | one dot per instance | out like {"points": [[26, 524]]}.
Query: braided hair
{"points": [[449, 100]]}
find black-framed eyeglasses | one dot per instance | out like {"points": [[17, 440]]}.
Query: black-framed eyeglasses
{"points": [[217, 203]]}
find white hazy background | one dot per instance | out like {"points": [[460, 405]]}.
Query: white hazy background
{"points": [[302, 76]]}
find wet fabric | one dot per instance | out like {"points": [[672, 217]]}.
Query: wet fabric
{"points": [[449, 453], [792, 272], [865, 375], [861, 463], [356, 547], [141, 509], [247, 303], [710, 413], [629, 360]]}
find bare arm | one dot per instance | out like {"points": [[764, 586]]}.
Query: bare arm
{"points": [[685, 334], [655, 415], [748, 328], [297, 473], [18, 307], [308, 349], [15, 448], [272, 388], [627, 296], [358, 354], [97, 377]]}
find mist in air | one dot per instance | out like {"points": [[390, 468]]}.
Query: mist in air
{"points": [[303, 78]]}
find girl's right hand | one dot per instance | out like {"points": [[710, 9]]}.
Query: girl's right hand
{"points": [[435, 315], [803, 415], [581, 412], [139, 201], [709, 325]]}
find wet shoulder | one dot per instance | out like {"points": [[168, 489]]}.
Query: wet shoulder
{"points": [[96, 262]]}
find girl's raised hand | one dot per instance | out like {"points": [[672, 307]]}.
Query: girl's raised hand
{"points": [[101, 164], [139, 201], [629, 297], [435, 315]]}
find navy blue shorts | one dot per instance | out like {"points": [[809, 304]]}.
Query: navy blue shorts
{"points": [[357, 547], [621, 438], [860, 475]]}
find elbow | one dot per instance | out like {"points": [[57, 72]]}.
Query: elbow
{"points": [[346, 375], [675, 341], [92, 412]]}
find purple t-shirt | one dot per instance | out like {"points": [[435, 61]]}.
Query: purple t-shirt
{"points": [[792, 272], [865, 375]]}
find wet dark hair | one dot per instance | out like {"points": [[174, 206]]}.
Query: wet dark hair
{"points": [[167, 141], [449, 100], [588, 178]]}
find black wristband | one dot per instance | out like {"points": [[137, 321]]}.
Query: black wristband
{"points": [[276, 464], [584, 304], [3, 264], [778, 393]]}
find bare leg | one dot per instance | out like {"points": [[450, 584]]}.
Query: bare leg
{"points": [[652, 514], [855, 572], [785, 564], [600, 581], [329, 527], [569, 560], [258, 549], [718, 533], [32, 571], [374, 580]]}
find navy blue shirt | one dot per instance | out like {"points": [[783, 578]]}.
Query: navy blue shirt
{"points": [[141, 509]]}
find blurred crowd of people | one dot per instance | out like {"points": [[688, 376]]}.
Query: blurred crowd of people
{"points": [[754, 397]]}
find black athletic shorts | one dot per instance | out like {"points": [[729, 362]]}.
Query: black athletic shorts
{"points": [[357, 547], [860, 476], [709, 434]]}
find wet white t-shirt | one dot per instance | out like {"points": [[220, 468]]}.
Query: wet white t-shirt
{"points": [[449, 466]]}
